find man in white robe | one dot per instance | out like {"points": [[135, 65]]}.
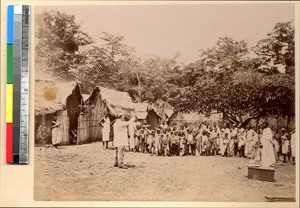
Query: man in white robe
{"points": [[131, 131], [234, 134], [105, 124], [267, 153], [221, 144], [121, 138], [231, 141], [56, 132], [249, 142]]}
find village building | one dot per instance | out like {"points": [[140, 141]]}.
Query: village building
{"points": [[180, 119], [147, 114], [216, 117], [163, 109], [63, 100], [102, 101]]}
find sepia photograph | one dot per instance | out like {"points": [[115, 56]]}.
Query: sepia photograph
{"points": [[172, 102]]}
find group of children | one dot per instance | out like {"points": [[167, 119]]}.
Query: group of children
{"points": [[284, 145], [204, 140], [179, 141]]}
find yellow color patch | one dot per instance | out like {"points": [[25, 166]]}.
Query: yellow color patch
{"points": [[9, 103], [50, 94]]}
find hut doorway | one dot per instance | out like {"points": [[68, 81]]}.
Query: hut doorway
{"points": [[73, 110]]}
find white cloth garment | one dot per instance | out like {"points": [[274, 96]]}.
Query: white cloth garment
{"points": [[56, 133], [267, 153], [131, 131], [293, 144], [120, 132], [285, 144], [106, 130]]}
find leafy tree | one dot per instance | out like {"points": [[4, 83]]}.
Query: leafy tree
{"points": [[227, 55], [106, 64], [242, 98], [276, 53], [66, 52], [223, 80], [58, 41], [147, 79]]}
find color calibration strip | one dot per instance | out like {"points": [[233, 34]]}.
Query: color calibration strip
{"points": [[17, 87]]}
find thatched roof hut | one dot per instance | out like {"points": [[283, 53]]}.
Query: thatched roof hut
{"points": [[51, 97], [61, 99], [115, 101], [164, 109], [101, 102], [42, 104], [179, 119], [146, 114], [219, 118]]}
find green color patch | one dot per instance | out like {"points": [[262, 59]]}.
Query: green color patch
{"points": [[10, 64]]}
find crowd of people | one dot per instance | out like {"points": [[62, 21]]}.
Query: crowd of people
{"points": [[206, 140]]}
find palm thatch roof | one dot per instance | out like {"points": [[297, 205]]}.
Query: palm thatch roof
{"points": [[116, 101], [177, 116], [163, 108], [60, 92], [116, 98]]}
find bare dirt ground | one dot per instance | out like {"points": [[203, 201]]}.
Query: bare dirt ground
{"points": [[86, 172]]}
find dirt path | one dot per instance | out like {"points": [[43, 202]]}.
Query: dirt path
{"points": [[85, 172]]}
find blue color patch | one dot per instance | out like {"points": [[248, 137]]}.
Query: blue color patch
{"points": [[10, 24]]}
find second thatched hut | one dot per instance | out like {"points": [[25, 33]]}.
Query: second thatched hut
{"points": [[101, 102]]}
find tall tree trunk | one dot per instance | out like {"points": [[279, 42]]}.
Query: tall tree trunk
{"points": [[139, 88], [288, 123], [246, 122], [277, 123], [257, 123]]}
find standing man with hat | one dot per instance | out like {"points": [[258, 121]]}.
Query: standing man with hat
{"points": [[121, 137]]}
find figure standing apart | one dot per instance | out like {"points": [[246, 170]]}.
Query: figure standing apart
{"points": [[267, 154], [121, 138], [105, 124], [131, 132], [56, 133]]}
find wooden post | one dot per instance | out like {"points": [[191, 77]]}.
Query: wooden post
{"points": [[78, 130]]}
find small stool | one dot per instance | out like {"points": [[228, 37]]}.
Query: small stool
{"points": [[261, 173]]}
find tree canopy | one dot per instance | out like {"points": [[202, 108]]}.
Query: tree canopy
{"points": [[58, 41], [276, 53], [226, 78], [228, 81]]}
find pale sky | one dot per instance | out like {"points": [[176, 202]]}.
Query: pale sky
{"points": [[164, 30]]}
